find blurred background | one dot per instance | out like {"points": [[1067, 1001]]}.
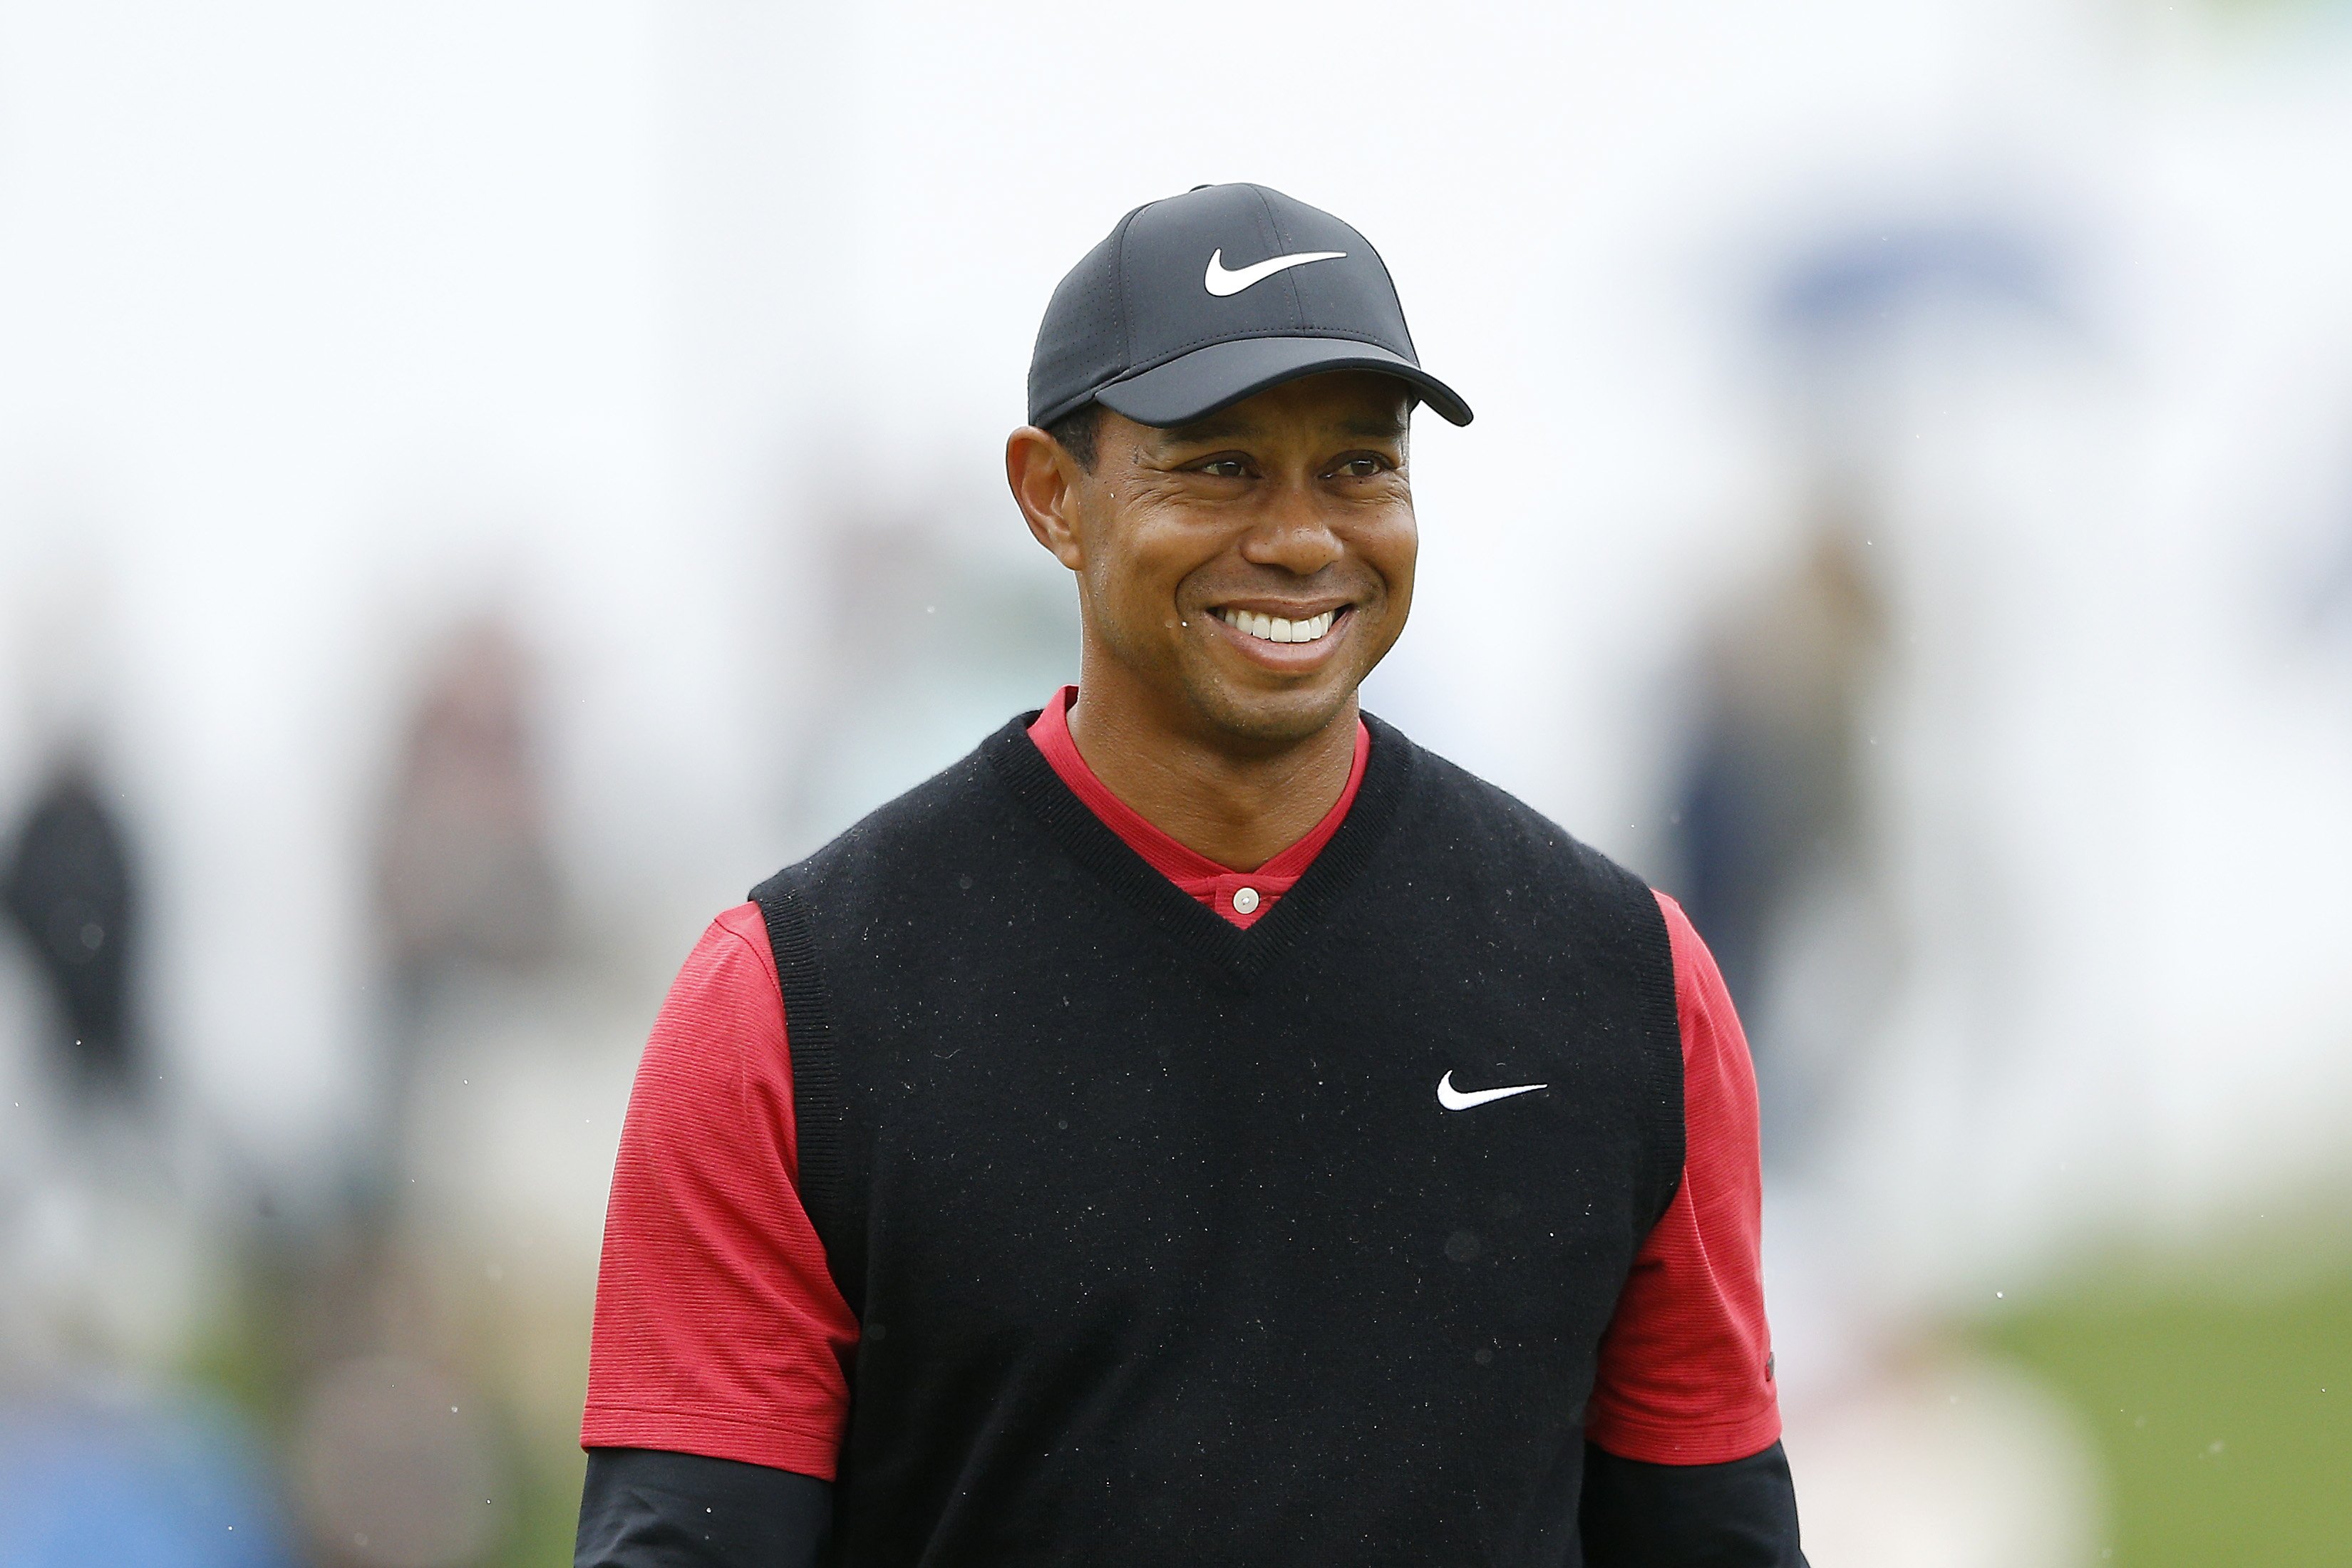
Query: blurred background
{"points": [[481, 485]]}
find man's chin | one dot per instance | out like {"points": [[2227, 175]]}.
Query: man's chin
{"points": [[1263, 720]]}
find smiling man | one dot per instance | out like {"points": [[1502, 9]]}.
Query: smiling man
{"points": [[1201, 1127]]}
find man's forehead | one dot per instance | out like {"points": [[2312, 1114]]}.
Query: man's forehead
{"points": [[1367, 412]]}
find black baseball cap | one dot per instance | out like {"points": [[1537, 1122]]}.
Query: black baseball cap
{"points": [[1202, 299]]}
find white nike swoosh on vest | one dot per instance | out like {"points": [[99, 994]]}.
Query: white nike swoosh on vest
{"points": [[1453, 1099], [1220, 282]]}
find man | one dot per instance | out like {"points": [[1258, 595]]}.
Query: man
{"points": [[1201, 1127]]}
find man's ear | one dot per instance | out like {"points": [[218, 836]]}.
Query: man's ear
{"points": [[1044, 480]]}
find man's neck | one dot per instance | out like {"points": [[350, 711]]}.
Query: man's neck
{"points": [[1239, 807]]}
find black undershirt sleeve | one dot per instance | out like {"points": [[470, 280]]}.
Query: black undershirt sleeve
{"points": [[643, 1507], [1742, 1514]]}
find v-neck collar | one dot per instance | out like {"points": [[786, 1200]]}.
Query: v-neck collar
{"points": [[1206, 880], [1243, 952]]}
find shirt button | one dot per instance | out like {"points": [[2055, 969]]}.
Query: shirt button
{"points": [[1244, 900]]}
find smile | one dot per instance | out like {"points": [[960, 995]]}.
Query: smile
{"points": [[1273, 628]]}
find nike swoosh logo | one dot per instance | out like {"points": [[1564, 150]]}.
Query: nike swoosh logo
{"points": [[1220, 282], [1453, 1099]]}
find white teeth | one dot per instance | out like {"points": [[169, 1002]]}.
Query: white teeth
{"points": [[1272, 628]]}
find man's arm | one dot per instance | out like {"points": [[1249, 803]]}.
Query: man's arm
{"points": [[1683, 1469], [643, 1507], [716, 1394]]}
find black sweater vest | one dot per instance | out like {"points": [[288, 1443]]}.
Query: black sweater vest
{"points": [[1164, 1248]]}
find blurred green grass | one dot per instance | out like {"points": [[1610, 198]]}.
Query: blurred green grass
{"points": [[2219, 1394]]}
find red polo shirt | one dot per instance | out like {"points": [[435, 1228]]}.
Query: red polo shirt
{"points": [[719, 1331]]}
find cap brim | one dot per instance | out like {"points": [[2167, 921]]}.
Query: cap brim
{"points": [[1208, 379]]}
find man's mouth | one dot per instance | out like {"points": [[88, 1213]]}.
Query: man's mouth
{"points": [[1275, 628]]}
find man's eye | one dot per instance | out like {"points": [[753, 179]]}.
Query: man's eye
{"points": [[1361, 468], [1224, 469]]}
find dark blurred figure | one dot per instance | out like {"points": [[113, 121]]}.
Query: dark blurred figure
{"points": [[71, 890], [1771, 805]]}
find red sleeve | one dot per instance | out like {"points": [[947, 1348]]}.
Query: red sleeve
{"points": [[1686, 1373], [719, 1331]]}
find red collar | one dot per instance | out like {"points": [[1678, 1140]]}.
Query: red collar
{"points": [[1213, 884]]}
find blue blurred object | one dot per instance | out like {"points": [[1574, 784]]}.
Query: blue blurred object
{"points": [[132, 1486], [1849, 285]]}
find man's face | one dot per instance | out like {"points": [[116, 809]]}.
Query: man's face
{"points": [[1250, 569]]}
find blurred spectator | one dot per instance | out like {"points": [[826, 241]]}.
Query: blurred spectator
{"points": [[69, 888], [390, 1337], [465, 879], [1771, 805], [466, 884]]}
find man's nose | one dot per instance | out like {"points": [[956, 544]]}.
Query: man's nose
{"points": [[1295, 534]]}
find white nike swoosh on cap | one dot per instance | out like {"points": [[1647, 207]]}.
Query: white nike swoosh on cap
{"points": [[1220, 282], [1453, 1099]]}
